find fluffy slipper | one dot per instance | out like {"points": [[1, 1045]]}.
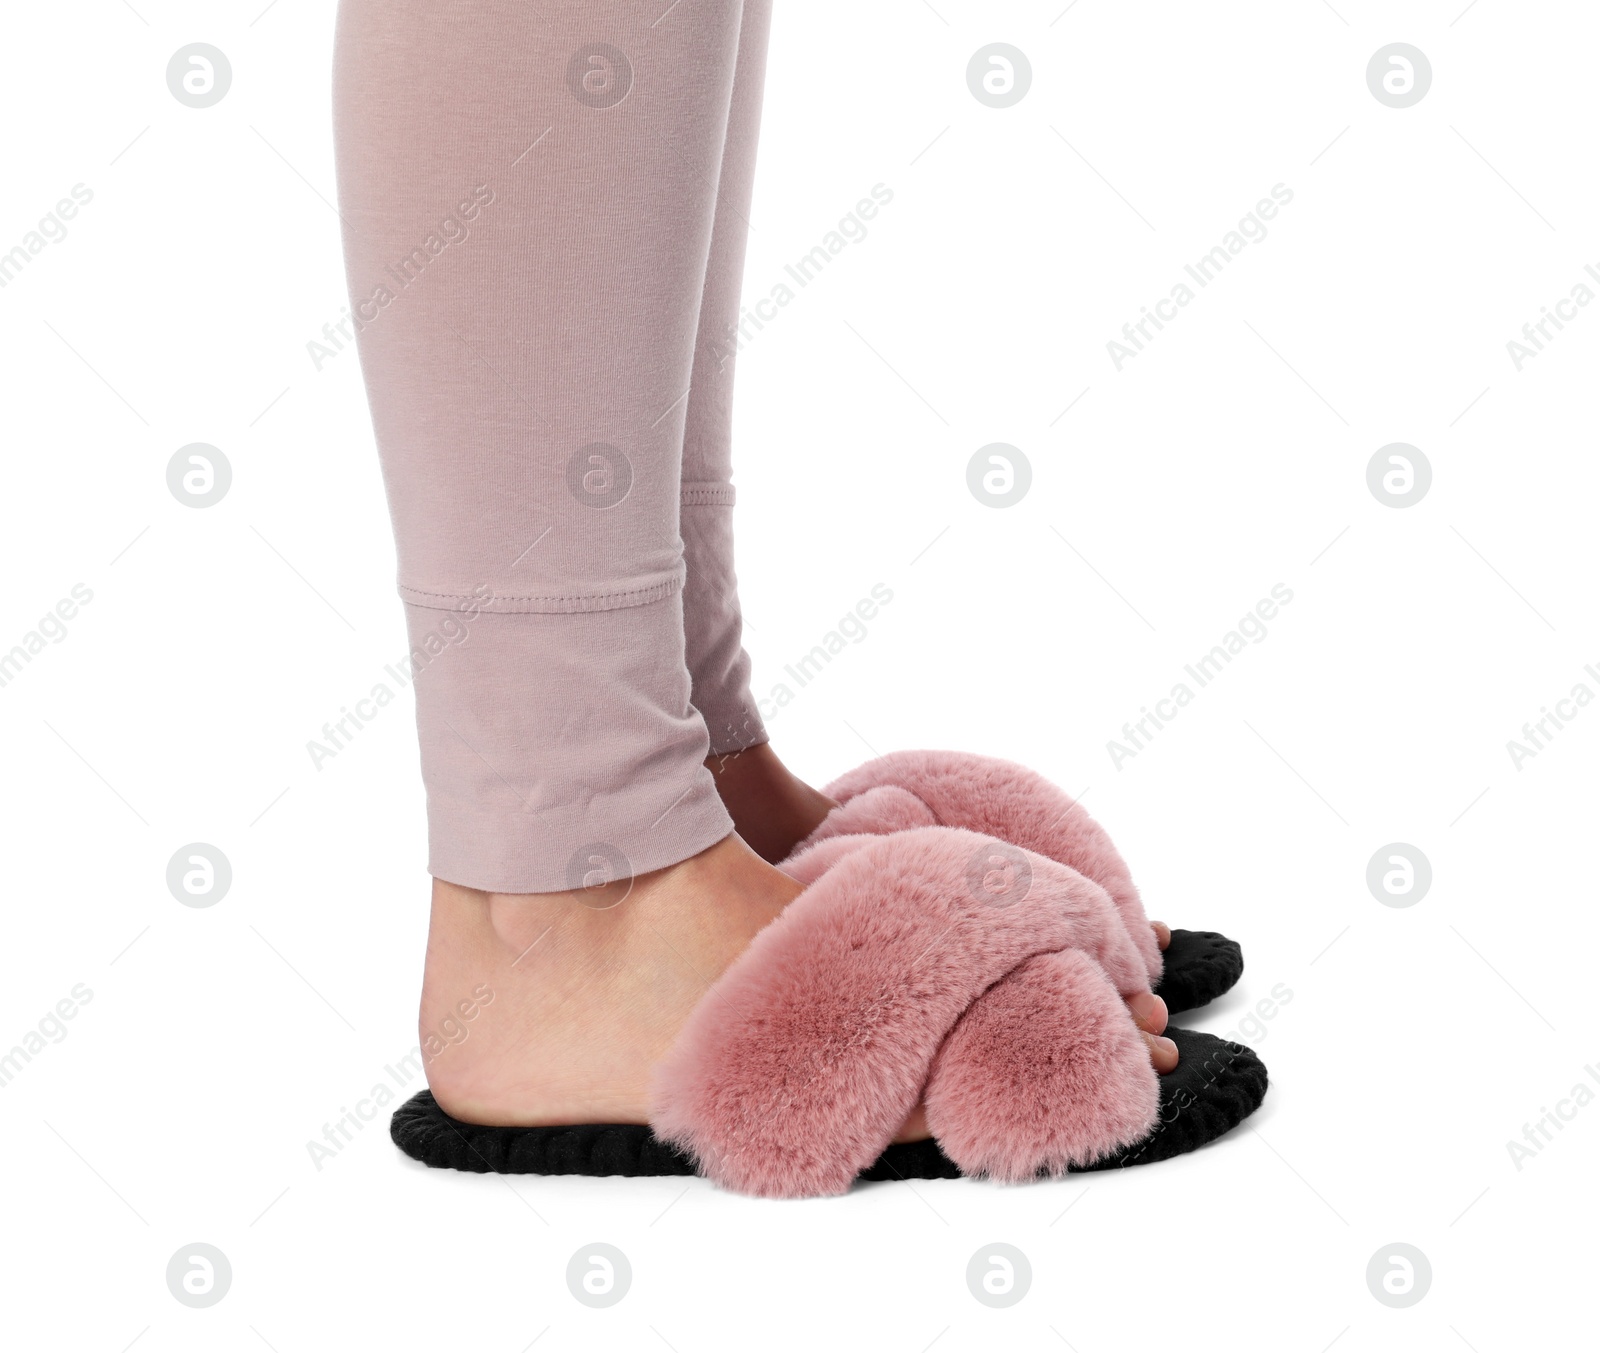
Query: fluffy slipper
{"points": [[1002, 799], [908, 966], [795, 1071]]}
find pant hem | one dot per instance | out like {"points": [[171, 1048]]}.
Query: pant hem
{"points": [[699, 831]]}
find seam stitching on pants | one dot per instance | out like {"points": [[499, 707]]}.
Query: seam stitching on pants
{"points": [[707, 494], [537, 605]]}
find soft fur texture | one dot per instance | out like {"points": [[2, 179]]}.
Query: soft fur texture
{"points": [[1095, 923], [996, 798], [804, 1058], [1044, 1073]]}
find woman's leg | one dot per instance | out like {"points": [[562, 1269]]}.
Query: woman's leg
{"points": [[771, 809], [529, 199], [718, 665], [528, 195]]}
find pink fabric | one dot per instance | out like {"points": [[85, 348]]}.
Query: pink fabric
{"points": [[1000, 798], [799, 1065], [1046, 1070]]}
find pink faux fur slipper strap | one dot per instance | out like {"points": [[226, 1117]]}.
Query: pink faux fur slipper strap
{"points": [[802, 1061], [1000, 798]]}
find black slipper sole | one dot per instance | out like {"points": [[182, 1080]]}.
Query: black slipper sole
{"points": [[1199, 965], [1217, 1086]]}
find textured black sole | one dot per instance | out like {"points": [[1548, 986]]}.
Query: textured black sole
{"points": [[1217, 1086], [1199, 965]]}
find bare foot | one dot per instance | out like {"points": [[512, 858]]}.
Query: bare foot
{"points": [[548, 1008], [541, 1008], [771, 808]]}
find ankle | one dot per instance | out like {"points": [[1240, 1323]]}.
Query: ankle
{"points": [[551, 1008], [772, 809]]}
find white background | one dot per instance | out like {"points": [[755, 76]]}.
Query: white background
{"points": [[1229, 456]]}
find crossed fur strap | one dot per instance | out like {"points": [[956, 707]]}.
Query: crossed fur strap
{"points": [[934, 964], [996, 797]]}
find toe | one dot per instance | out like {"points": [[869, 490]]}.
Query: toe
{"points": [[1163, 1053], [915, 1128], [1149, 1012]]}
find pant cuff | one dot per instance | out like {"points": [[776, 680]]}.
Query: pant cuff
{"points": [[549, 740]]}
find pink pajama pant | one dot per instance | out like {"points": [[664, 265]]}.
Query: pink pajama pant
{"points": [[544, 211]]}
